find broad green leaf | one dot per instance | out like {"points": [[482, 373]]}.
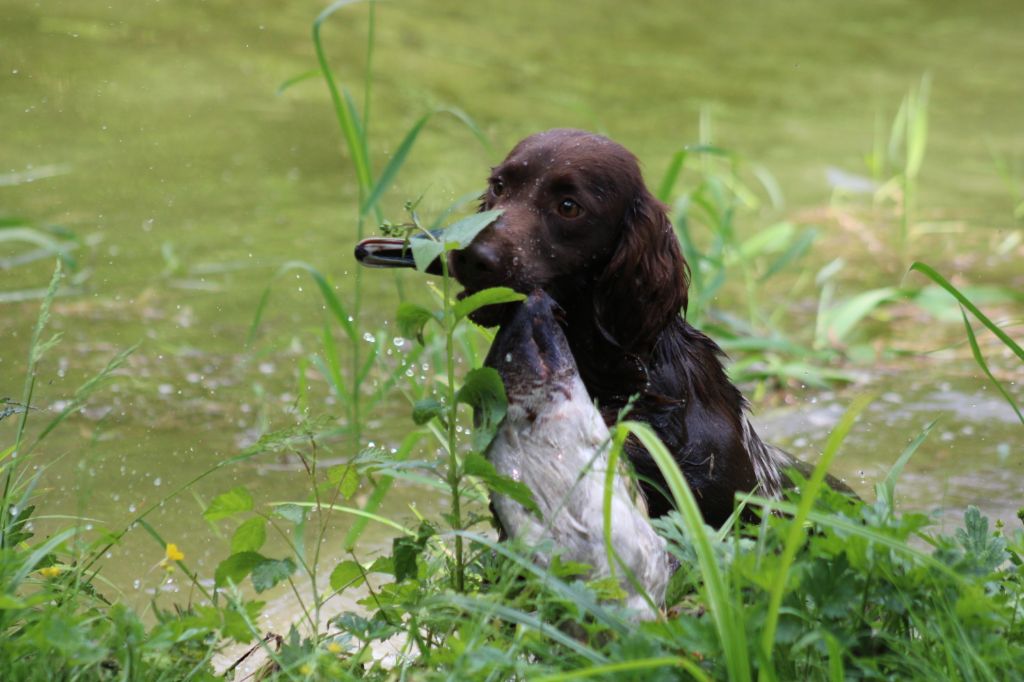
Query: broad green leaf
{"points": [[984, 551], [228, 504], [237, 625], [769, 240], [425, 251], [345, 478], [486, 297], [460, 234], [426, 409], [404, 550], [382, 564], [412, 319], [346, 574], [291, 512], [270, 572], [249, 536], [236, 567], [485, 393], [800, 246], [844, 317], [477, 465]]}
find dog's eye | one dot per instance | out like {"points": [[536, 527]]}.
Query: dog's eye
{"points": [[497, 187], [567, 208]]}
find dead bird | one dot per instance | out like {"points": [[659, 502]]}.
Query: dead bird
{"points": [[554, 440]]}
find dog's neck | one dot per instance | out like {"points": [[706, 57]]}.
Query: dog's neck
{"points": [[613, 373]]}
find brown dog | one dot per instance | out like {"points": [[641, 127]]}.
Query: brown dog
{"points": [[578, 222]]}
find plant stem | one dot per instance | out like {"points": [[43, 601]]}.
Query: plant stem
{"points": [[355, 420], [453, 462], [908, 198]]}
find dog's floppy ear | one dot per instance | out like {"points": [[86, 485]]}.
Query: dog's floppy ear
{"points": [[645, 282]]}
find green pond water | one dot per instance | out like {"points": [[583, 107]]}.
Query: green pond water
{"points": [[154, 131]]}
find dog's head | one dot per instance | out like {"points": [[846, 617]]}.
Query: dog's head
{"points": [[579, 223]]}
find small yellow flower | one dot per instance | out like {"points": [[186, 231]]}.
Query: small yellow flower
{"points": [[306, 670], [173, 553], [334, 648], [51, 571]]}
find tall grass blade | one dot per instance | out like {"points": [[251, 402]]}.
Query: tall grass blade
{"points": [[980, 360], [858, 529], [336, 307], [371, 34], [517, 617], [634, 666], [581, 599], [917, 126], [886, 490], [84, 391], [931, 273], [358, 124], [468, 121], [797, 250], [387, 175], [329, 365], [342, 111], [296, 79], [668, 181], [611, 553], [797, 533], [29, 563], [34, 353], [360, 513], [731, 632]]}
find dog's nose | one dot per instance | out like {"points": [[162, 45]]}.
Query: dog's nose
{"points": [[476, 261]]}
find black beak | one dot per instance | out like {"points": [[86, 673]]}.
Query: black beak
{"points": [[392, 252]]}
